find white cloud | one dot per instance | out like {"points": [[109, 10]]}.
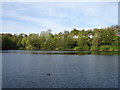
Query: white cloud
{"points": [[42, 22], [57, 16]]}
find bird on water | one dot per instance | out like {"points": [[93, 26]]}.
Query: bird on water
{"points": [[48, 74]]}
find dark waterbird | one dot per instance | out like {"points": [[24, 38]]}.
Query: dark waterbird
{"points": [[48, 74]]}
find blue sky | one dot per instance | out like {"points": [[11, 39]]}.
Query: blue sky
{"points": [[25, 17]]}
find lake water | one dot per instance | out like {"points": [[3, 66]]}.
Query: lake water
{"points": [[58, 69]]}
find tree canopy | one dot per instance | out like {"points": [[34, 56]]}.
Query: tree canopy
{"points": [[105, 39]]}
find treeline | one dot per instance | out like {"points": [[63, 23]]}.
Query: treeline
{"points": [[106, 39]]}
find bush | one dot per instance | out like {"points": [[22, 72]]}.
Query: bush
{"points": [[105, 48], [94, 48], [86, 48], [77, 48], [57, 49], [114, 48], [115, 44]]}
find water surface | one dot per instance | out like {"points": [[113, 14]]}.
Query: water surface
{"points": [[67, 69]]}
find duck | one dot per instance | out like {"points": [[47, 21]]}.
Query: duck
{"points": [[48, 74]]}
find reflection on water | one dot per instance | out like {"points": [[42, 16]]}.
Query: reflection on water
{"points": [[61, 52], [0, 71], [59, 69]]}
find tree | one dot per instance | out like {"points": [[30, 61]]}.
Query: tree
{"points": [[97, 39], [7, 43], [24, 42], [70, 42], [74, 31], [104, 39], [81, 40], [108, 36]]}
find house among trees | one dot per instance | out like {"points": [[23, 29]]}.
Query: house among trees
{"points": [[118, 34], [91, 36], [75, 36], [105, 39]]}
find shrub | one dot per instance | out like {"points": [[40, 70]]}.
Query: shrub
{"points": [[114, 48], [115, 44], [94, 48], [57, 49], [77, 48], [86, 48], [105, 48]]}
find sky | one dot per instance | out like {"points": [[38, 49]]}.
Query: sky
{"points": [[35, 17]]}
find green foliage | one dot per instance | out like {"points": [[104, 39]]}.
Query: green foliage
{"points": [[114, 48], [70, 42], [115, 43], [24, 42], [75, 32], [81, 40], [86, 48], [106, 39], [77, 48], [8, 42], [97, 39], [105, 48], [95, 48], [108, 36]]}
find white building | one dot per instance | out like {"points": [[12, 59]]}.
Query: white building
{"points": [[75, 36], [91, 36]]}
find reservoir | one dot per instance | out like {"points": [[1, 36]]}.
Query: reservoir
{"points": [[59, 69]]}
